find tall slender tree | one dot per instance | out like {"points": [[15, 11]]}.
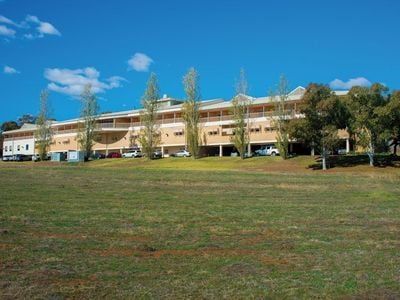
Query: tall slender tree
{"points": [[86, 129], [190, 112], [149, 136], [240, 110], [364, 105], [43, 134], [281, 116]]}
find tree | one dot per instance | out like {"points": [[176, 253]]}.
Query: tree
{"points": [[324, 115], [86, 130], [149, 136], [43, 132], [190, 111], [281, 117], [26, 119], [9, 125], [240, 110], [390, 116], [364, 105]]}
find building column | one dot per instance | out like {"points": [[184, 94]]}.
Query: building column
{"points": [[162, 151], [220, 151], [249, 149], [347, 145]]}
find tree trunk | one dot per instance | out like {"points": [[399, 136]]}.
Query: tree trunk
{"points": [[371, 155], [323, 159]]}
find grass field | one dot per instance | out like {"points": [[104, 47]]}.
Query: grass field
{"points": [[213, 228]]}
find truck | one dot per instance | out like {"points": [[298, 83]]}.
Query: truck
{"points": [[267, 150]]}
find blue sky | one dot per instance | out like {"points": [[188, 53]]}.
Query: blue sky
{"points": [[60, 45]]}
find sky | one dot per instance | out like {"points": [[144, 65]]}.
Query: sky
{"points": [[114, 45]]}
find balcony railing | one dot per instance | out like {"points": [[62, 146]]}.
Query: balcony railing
{"points": [[113, 125], [18, 138]]}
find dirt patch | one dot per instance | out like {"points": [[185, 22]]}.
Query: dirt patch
{"points": [[213, 252]]}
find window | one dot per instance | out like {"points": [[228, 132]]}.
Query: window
{"points": [[213, 132], [255, 130], [27, 147], [18, 147], [179, 132], [5, 149]]}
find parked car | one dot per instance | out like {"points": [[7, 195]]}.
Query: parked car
{"points": [[114, 155], [132, 154], [181, 153], [157, 154], [267, 150], [7, 158], [97, 156], [22, 157]]}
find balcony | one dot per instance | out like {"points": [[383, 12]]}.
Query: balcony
{"points": [[112, 126]]}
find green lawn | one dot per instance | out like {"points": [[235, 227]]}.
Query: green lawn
{"points": [[213, 228]]}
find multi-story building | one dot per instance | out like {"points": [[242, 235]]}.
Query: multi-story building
{"points": [[118, 132]]}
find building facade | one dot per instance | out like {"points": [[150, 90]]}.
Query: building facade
{"points": [[119, 132]]}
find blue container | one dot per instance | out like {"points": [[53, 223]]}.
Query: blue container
{"points": [[57, 156], [76, 156]]}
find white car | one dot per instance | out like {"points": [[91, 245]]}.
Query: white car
{"points": [[132, 154], [181, 153]]}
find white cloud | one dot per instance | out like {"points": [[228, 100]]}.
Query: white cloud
{"points": [[42, 27], [338, 84], [72, 82], [140, 62], [10, 70], [47, 28], [4, 30], [5, 20]]}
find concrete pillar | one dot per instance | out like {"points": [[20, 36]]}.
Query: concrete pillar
{"points": [[162, 151], [220, 151], [248, 149], [347, 145]]}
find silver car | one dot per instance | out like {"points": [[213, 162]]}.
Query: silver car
{"points": [[132, 154]]}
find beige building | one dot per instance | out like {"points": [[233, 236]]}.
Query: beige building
{"points": [[118, 132]]}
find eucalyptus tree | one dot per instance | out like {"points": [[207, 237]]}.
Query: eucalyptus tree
{"points": [[324, 115], [366, 121]]}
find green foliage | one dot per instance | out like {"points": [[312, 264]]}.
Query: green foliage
{"points": [[9, 125], [87, 127], [366, 119], [149, 136], [390, 119], [27, 118], [324, 114], [43, 134], [240, 109], [190, 111]]}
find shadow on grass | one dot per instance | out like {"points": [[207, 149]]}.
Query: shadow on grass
{"points": [[345, 161]]}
